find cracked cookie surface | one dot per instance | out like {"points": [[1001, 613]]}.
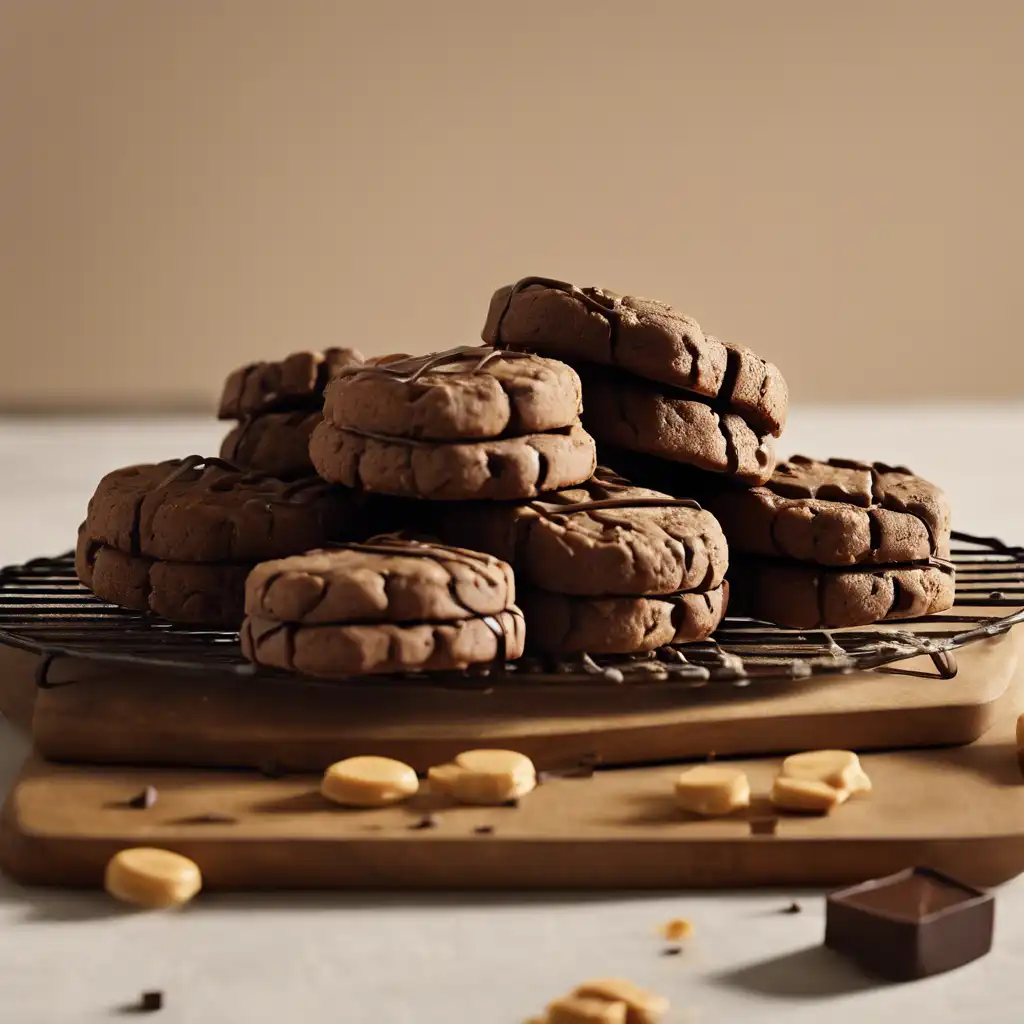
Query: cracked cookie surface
{"points": [[603, 538], [463, 394], [560, 624], [812, 597], [643, 336], [505, 468], [295, 382], [839, 512], [388, 605]]}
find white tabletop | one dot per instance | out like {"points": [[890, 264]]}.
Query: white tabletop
{"points": [[473, 959]]}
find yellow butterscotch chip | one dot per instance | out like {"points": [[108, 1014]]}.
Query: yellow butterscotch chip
{"points": [[808, 795], [676, 930], [712, 790], [368, 781], [152, 878], [642, 1006], [583, 1010], [485, 777], [840, 769]]}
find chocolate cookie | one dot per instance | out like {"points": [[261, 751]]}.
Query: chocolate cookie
{"points": [[388, 605], [462, 394], [179, 538], [630, 414], [647, 338], [296, 382], [839, 512], [276, 443], [603, 538], [206, 510], [193, 593], [804, 596], [558, 624], [502, 469]]}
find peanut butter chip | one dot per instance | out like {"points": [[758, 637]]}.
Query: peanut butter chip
{"points": [[676, 929], [485, 777], [840, 769], [369, 781], [807, 795], [642, 1007], [583, 1010], [712, 790], [152, 878]]}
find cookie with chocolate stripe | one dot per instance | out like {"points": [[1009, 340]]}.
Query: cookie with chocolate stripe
{"points": [[385, 606]]}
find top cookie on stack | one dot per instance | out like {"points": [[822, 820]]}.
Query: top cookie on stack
{"points": [[685, 396], [277, 405], [466, 423]]}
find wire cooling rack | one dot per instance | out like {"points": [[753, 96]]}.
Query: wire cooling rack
{"points": [[45, 610]]}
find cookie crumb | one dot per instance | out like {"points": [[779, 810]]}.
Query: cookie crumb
{"points": [[676, 929], [427, 821], [144, 800], [484, 830], [672, 951], [793, 908]]}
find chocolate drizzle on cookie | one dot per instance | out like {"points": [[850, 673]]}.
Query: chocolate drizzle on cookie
{"points": [[412, 368]]}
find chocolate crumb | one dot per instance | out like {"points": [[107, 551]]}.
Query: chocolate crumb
{"points": [[514, 802], [427, 821], [272, 770], [151, 1002], [793, 908], [207, 819], [484, 830], [144, 800], [672, 951]]}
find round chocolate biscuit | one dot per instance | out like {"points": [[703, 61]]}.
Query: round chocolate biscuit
{"points": [[296, 382], [559, 624], [630, 414], [461, 394], [644, 337], [802, 596], [190, 593], [839, 512], [603, 538], [276, 443], [502, 469], [382, 580], [205, 510]]}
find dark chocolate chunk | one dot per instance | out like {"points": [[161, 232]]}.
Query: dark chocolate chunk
{"points": [[484, 830], [514, 802], [672, 951], [793, 908], [144, 800], [910, 925], [427, 821]]}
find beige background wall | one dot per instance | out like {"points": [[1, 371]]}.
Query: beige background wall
{"points": [[188, 184]]}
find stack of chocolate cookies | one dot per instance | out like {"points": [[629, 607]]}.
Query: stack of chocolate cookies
{"points": [[606, 567], [179, 538], [469, 423], [837, 543], [277, 405], [653, 381]]}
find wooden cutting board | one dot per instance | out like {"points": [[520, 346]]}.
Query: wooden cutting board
{"points": [[119, 716], [957, 810]]}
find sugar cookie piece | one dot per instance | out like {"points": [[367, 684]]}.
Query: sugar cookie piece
{"points": [[368, 781], [712, 790], [485, 777], [642, 1006], [838, 768], [152, 878], [585, 1010], [808, 795]]}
